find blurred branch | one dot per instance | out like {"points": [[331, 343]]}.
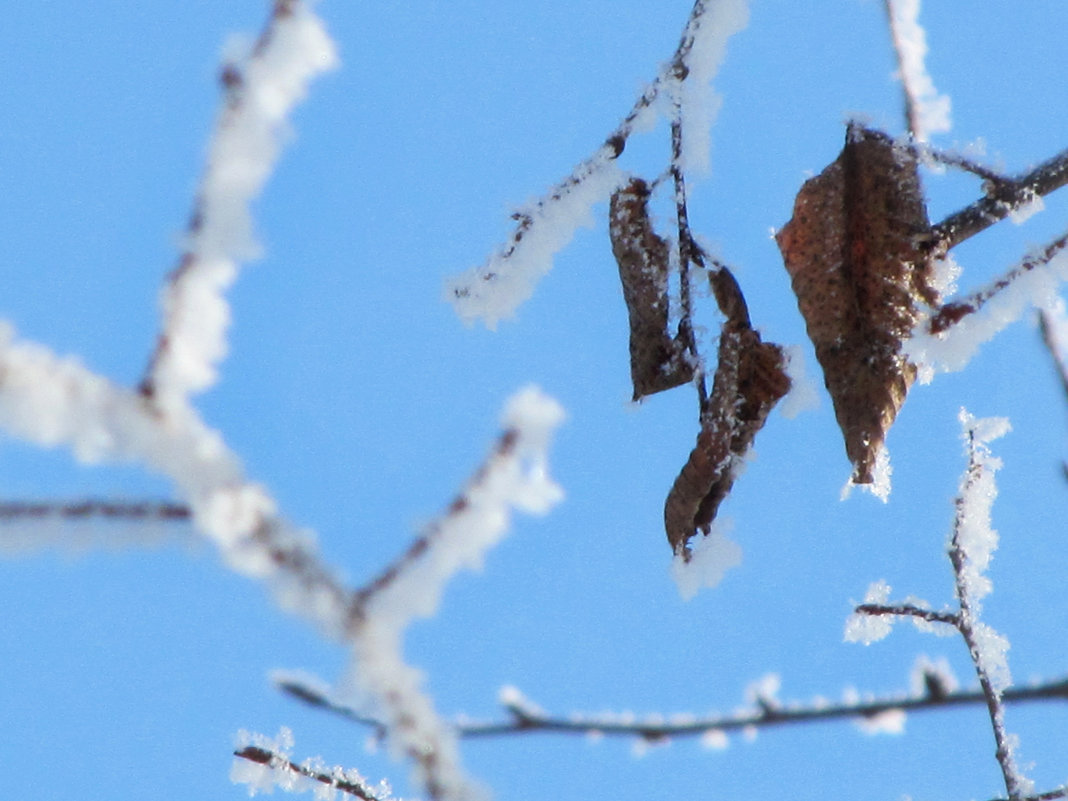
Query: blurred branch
{"points": [[11, 511], [1047, 328], [259, 91], [524, 719], [1049, 795]]}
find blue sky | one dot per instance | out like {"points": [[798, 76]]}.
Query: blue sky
{"points": [[354, 393]]}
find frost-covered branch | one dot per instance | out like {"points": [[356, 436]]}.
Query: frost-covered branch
{"points": [[260, 89], [971, 547], [90, 508], [948, 340], [55, 401], [525, 717], [926, 111], [513, 477], [264, 763], [909, 610], [1004, 198], [494, 290]]}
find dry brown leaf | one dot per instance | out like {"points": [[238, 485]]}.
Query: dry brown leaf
{"points": [[853, 249], [749, 381], [657, 362]]}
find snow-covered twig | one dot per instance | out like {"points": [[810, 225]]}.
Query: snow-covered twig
{"points": [[93, 508], [947, 340], [971, 548], [528, 719], [55, 401], [513, 477], [1005, 197], [260, 91], [494, 290], [263, 763], [926, 111]]}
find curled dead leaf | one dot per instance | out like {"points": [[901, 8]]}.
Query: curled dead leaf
{"points": [[657, 361], [750, 379]]}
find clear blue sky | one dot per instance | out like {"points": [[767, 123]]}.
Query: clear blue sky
{"points": [[354, 393]]}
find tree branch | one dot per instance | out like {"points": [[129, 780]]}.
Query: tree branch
{"points": [[1006, 196], [335, 779], [527, 721]]}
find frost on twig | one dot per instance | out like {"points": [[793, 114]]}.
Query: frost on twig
{"points": [[514, 476], [971, 548], [27, 526], [852, 251], [494, 290], [926, 111], [262, 764], [260, 92], [948, 340], [932, 687], [55, 401]]}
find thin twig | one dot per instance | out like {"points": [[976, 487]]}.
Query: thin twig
{"points": [[1006, 196], [168, 511], [912, 113], [1049, 795], [968, 624], [1046, 326], [1049, 339], [687, 255], [610, 150], [526, 722], [909, 610], [280, 762], [951, 313]]}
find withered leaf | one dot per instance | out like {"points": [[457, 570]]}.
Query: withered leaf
{"points": [[657, 361], [749, 381], [853, 250]]}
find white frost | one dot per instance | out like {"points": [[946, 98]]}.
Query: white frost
{"points": [[713, 554], [867, 629], [932, 110], [711, 28], [248, 138], [953, 349], [804, 393], [975, 536], [493, 291], [891, 721]]}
